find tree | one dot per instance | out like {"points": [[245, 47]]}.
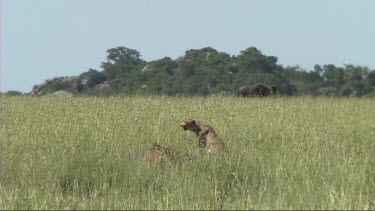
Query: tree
{"points": [[157, 77], [371, 78], [92, 77], [333, 76], [203, 71], [121, 62], [356, 83], [252, 60]]}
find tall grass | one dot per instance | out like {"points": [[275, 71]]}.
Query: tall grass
{"points": [[281, 153]]}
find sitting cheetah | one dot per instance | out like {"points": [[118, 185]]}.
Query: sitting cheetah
{"points": [[195, 127], [207, 137], [192, 125], [164, 154], [211, 140]]}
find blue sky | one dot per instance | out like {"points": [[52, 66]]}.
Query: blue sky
{"points": [[41, 39]]}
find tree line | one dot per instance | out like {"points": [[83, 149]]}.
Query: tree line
{"points": [[207, 71]]}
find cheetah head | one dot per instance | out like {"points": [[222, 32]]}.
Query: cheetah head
{"points": [[188, 124]]}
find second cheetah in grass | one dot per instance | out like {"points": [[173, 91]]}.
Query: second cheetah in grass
{"points": [[163, 154]]}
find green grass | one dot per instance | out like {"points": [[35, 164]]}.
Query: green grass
{"points": [[282, 153]]}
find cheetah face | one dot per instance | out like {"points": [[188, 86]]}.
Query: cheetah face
{"points": [[184, 125], [187, 125]]}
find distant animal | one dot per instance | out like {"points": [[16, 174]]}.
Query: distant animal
{"points": [[207, 138], [259, 90], [162, 154]]}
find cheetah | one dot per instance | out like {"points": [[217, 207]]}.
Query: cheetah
{"points": [[211, 140], [207, 138], [163, 154], [195, 127], [192, 125]]}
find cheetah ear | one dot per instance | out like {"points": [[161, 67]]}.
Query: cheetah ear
{"points": [[193, 122]]}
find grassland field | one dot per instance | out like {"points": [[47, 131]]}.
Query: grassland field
{"points": [[281, 153]]}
